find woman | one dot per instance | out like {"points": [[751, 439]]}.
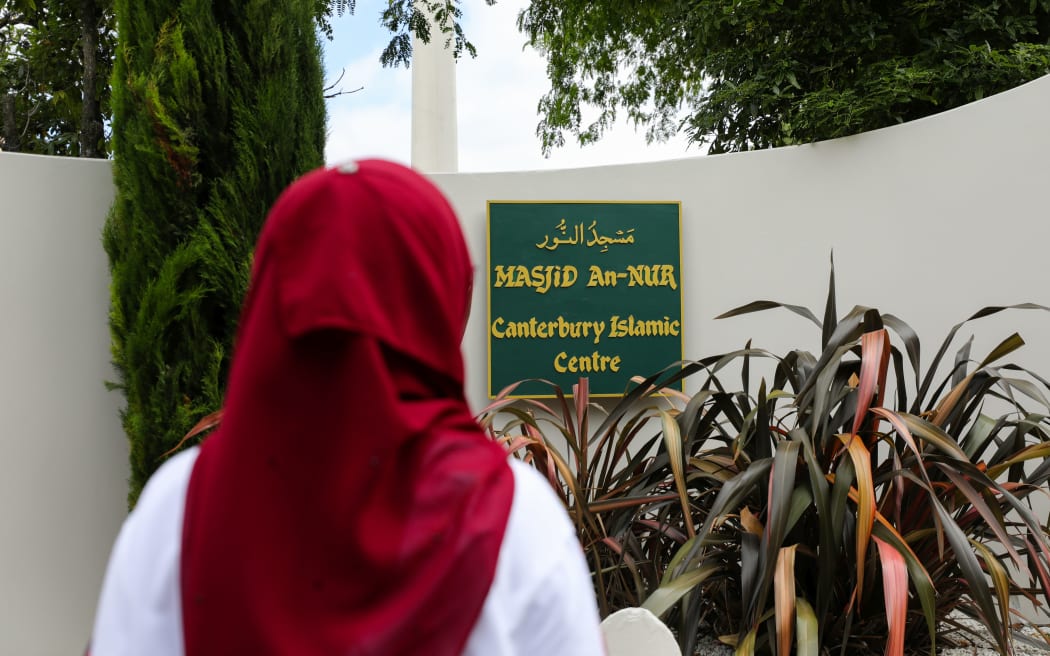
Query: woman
{"points": [[348, 504]]}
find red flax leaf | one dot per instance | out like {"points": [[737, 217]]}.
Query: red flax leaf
{"points": [[861, 457], [901, 425], [538, 446], [501, 401], [613, 544], [667, 391], [784, 599], [518, 443], [980, 507], [204, 425], [665, 529], [895, 590], [628, 502], [919, 576], [581, 393], [874, 362], [1040, 569]]}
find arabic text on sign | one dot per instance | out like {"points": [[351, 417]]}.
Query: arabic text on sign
{"points": [[584, 236]]}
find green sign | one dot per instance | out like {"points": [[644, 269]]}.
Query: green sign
{"points": [[582, 289]]}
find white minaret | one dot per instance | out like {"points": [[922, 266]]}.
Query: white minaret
{"points": [[435, 143]]}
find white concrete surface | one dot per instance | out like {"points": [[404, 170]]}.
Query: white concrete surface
{"points": [[435, 140], [637, 632], [63, 455]]}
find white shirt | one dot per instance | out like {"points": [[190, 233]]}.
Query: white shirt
{"points": [[541, 600]]}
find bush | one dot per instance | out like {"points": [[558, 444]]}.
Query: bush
{"points": [[216, 109], [851, 502]]}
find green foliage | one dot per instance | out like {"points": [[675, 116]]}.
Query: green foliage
{"points": [[42, 74], [848, 500], [216, 108], [405, 18], [325, 10], [761, 73]]}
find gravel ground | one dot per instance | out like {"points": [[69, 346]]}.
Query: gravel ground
{"points": [[987, 646], [711, 646]]}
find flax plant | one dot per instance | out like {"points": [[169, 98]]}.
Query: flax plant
{"points": [[848, 501], [623, 484]]}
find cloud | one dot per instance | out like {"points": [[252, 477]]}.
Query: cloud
{"points": [[380, 130], [375, 121], [497, 97]]}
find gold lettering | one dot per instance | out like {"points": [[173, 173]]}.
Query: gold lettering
{"points": [[532, 328], [558, 359], [537, 280], [652, 275], [581, 364], [667, 277], [631, 327], [599, 278], [508, 276], [569, 276], [579, 232], [541, 278]]}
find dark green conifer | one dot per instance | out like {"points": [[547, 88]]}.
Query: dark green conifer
{"points": [[217, 106]]}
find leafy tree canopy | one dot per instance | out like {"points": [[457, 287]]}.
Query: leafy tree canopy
{"points": [[426, 19], [43, 78], [748, 74], [44, 84]]}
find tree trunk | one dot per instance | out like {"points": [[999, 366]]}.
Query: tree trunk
{"points": [[90, 112], [10, 123]]}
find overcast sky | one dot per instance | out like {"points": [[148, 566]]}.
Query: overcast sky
{"points": [[497, 96]]}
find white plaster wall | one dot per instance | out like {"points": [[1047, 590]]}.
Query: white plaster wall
{"points": [[929, 220], [63, 457]]}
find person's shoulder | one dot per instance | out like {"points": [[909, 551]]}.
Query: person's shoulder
{"points": [[169, 481], [542, 599], [533, 484], [536, 509], [150, 541], [138, 606]]}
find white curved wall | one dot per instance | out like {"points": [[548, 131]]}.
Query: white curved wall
{"points": [[63, 456], [929, 220]]}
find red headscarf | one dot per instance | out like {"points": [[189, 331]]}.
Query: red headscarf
{"points": [[348, 504]]}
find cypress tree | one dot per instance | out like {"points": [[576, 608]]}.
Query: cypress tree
{"points": [[217, 106]]}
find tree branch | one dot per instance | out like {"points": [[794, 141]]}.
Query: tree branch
{"points": [[338, 80], [329, 96]]}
